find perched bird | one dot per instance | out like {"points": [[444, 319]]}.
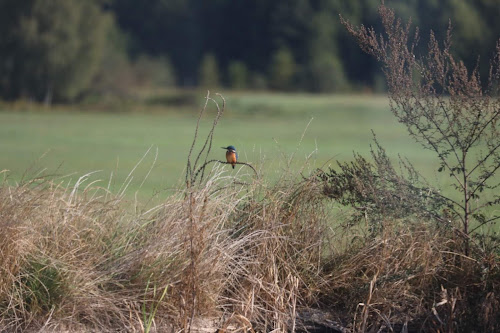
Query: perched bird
{"points": [[231, 155]]}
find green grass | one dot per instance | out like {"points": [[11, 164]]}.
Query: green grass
{"points": [[263, 127]]}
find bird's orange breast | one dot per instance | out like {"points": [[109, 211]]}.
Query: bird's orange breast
{"points": [[230, 157]]}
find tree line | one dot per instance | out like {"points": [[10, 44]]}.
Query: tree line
{"points": [[66, 49]]}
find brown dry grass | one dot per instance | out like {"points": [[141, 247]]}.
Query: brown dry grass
{"points": [[73, 260], [248, 255], [416, 276]]}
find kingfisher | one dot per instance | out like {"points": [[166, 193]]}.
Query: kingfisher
{"points": [[231, 155]]}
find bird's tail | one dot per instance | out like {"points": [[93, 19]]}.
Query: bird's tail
{"points": [[233, 166]]}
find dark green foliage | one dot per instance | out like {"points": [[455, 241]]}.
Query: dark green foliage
{"points": [[326, 74], [238, 75], [252, 31], [154, 71], [209, 72], [52, 48], [325, 68], [283, 70], [169, 28]]}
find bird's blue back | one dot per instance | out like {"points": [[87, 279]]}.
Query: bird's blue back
{"points": [[233, 148]]}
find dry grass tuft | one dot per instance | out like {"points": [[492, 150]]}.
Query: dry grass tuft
{"points": [[413, 276], [73, 260], [283, 234], [55, 245]]}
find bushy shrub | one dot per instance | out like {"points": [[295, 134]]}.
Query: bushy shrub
{"points": [[378, 193], [447, 109]]}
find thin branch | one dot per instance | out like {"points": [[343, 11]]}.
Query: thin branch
{"points": [[490, 174], [483, 160], [441, 157], [210, 135], [440, 196], [438, 127], [484, 223], [201, 168], [189, 171], [472, 137]]}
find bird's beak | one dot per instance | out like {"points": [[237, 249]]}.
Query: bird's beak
{"points": [[224, 147]]}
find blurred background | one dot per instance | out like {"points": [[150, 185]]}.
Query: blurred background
{"points": [[69, 50], [95, 83]]}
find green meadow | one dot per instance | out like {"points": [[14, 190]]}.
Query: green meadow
{"points": [[273, 132]]}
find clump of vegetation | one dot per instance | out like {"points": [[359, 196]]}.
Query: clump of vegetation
{"points": [[414, 277], [378, 192], [448, 110]]}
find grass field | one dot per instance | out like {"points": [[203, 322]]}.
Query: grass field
{"points": [[265, 128]]}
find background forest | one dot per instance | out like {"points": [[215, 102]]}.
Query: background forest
{"points": [[67, 50]]}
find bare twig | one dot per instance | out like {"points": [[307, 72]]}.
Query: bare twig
{"points": [[202, 168]]}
